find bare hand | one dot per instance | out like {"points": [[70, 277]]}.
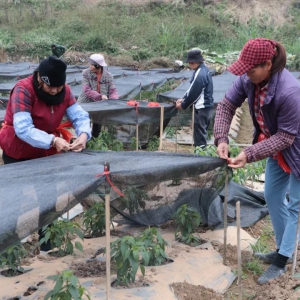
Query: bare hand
{"points": [[104, 97], [61, 145], [223, 150], [238, 162], [178, 103], [79, 144]]}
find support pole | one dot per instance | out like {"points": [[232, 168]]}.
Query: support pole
{"points": [[107, 233], [239, 252], [161, 128], [176, 120], [225, 217], [296, 244], [193, 127], [137, 137]]}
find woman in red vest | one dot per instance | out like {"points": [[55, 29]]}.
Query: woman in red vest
{"points": [[36, 107], [34, 113]]}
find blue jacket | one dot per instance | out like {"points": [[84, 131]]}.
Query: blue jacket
{"points": [[281, 110], [200, 91]]}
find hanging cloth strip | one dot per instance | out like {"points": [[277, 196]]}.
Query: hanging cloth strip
{"points": [[153, 104], [106, 173], [281, 161], [134, 103]]}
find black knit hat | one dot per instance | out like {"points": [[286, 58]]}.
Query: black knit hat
{"points": [[52, 71], [194, 56]]}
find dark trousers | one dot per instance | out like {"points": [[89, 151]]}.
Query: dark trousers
{"points": [[201, 123], [96, 129], [9, 160]]}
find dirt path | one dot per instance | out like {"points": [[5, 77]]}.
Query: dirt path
{"points": [[246, 129]]}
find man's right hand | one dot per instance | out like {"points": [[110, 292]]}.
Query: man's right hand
{"points": [[222, 150], [178, 103], [104, 97]]}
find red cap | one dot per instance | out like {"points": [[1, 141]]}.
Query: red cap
{"points": [[255, 52]]}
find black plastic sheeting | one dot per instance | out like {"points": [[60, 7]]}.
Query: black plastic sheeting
{"points": [[221, 84], [129, 82], [119, 112], [36, 192], [253, 206]]}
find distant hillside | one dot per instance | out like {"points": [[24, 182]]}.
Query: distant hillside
{"points": [[137, 31]]}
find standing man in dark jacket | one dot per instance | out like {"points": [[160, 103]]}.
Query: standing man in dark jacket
{"points": [[199, 93]]}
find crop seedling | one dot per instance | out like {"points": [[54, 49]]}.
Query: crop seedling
{"points": [[126, 253], [67, 287], [11, 258], [251, 171], [155, 247], [94, 219], [59, 234], [131, 253], [132, 145], [186, 220], [153, 144], [134, 199], [105, 141]]}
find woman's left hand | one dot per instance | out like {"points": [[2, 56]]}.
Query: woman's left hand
{"points": [[238, 162], [79, 144]]}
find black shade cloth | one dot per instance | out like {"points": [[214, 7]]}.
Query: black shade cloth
{"points": [[34, 193]]}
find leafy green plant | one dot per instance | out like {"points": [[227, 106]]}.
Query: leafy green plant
{"points": [[126, 253], [132, 145], [105, 141], [209, 150], [186, 220], [67, 287], [59, 233], [153, 144], [131, 253], [155, 247], [251, 171], [11, 258], [94, 219], [134, 198], [189, 239]]}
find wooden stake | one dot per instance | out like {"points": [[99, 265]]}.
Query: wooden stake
{"points": [[137, 137], [296, 245], [239, 252], [225, 217], [193, 120], [176, 120], [107, 233], [161, 131]]}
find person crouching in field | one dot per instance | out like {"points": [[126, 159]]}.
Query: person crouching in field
{"points": [[97, 85]]}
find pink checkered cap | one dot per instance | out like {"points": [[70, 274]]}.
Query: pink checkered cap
{"points": [[98, 59], [255, 52]]}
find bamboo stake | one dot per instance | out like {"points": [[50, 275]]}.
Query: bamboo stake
{"points": [[176, 120], [66, 52], [107, 233], [137, 137], [296, 244], [193, 120], [239, 252], [161, 128], [225, 217]]}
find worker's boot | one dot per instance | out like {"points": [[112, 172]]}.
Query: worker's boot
{"points": [[269, 257], [271, 273]]}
